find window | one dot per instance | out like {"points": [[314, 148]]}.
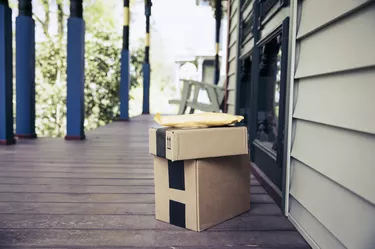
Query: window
{"points": [[269, 94]]}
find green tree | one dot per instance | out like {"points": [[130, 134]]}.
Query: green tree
{"points": [[102, 66], [224, 4]]}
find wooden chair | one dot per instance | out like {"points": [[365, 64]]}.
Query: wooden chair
{"points": [[216, 94]]}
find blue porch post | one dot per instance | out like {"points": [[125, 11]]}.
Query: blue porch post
{"points": [[125, 67], [218, 13], [6, 75], [25, 71], [75, 73], [146, 64]]}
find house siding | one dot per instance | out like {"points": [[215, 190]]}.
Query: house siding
{"points": [[332, 162], [247, 41], [233, 55]]}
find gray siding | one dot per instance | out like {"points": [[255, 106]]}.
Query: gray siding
{"points": [[272, 21], [233, 54], [333, 131], [247, 41]]}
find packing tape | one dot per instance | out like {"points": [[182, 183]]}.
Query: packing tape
{"points": [[176, 175], [160, 142], [177, 213]]}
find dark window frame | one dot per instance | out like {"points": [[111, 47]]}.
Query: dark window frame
{"points": [[282, 30]]}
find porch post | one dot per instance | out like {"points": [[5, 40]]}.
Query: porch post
{"points": [[6, 75], [146, 64], [218, 13], [25, 71], [75, 72], [125, 69]]}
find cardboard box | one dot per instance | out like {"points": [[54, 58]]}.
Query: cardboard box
{"points": [[182, 144], [198, 194]]}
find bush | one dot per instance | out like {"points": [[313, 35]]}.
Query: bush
{"points": [[102, 78]]}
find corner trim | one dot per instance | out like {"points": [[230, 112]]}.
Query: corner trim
{"points": [[303, 232]]}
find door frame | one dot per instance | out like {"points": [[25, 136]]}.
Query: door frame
{"points": [[276, 188]]}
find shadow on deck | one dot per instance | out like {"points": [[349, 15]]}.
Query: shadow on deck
{"points": [[99, 193]]}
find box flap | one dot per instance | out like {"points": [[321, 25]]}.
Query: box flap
{"points": [[184, 144]]}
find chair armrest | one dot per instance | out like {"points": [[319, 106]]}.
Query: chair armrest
{"points": [[205, 85]]}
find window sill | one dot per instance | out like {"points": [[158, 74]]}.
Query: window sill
{"points": [[271, 153]]}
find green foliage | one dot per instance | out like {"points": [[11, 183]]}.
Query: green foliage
{"points": [[50, 89], [224, 4], [102, 77]]}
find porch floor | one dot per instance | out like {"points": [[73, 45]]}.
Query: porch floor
{"points": [[99, 193]]}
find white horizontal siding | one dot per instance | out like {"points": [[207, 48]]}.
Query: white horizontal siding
{"points": [[348, 217], [333, 138], [345, 100], [232, 82], [232, 61], [233, 22], [274, 22], [232, 67], [234, 4], [312, 228], [231, 109], [344, 45], [247, 47], [346, 157], [232, 53], [271, 12], [317, 13], [231, 98], [248, 42], [247, 10]]}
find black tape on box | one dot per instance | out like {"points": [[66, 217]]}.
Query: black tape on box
{"points": [[177, 213], [160, 142], [176, 175]]}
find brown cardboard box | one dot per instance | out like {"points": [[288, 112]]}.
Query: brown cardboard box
{"points": [[198, 194], [181, 144]]}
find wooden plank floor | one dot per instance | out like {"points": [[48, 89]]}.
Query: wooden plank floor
{"points": [[99, 193]]}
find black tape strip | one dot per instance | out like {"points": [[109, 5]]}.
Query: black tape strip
{"points": [[160, 142], [176, 175], [177, 213]]}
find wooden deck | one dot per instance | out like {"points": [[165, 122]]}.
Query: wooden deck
{"points": [[99, 193]]}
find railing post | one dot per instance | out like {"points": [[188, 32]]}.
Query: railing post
{"points": [[6, 75], [25, 71], [75, 72], [146, 64], [125, 66], [218, 14]]}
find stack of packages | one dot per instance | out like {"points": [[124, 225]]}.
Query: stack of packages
{"points": [[201, 168]]}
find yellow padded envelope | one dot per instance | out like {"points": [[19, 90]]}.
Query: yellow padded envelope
{"points": [[206, 119]]}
